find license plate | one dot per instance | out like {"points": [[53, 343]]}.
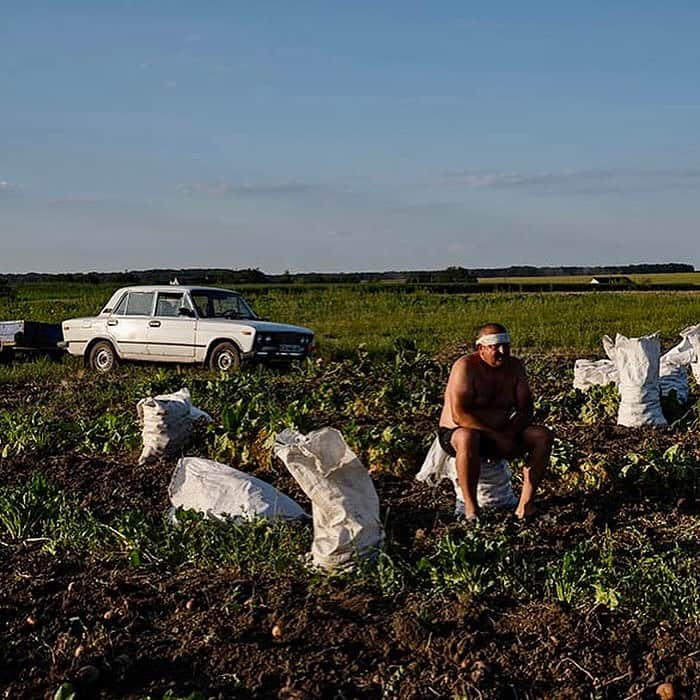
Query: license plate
{"points": [[290, 348]]}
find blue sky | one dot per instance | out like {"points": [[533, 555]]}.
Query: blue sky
{"points": [[347, 136]]}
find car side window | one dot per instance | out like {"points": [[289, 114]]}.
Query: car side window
{"points": [[203, 305], [139, 303], [227, 305], [120, 308], [169, 304]]}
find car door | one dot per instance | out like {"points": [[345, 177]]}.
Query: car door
{"points": [[170, 333], [128, 324]]}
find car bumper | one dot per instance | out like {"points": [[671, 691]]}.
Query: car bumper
{"points": [[280, 354], [73, 347]]}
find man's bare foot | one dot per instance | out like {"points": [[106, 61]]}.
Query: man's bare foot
{"points": [[470, 515], [470, 519], [526, 511], [471, 508]]}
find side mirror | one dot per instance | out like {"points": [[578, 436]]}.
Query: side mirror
{"points": [[184, 311]]}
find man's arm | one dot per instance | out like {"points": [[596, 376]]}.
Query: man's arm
{"points": [[524, 405], [459, 396]]}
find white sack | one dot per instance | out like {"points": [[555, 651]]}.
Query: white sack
{"points": [[673, 373], [166, 423], [218, 490], [494, 489], [344, 503], [692, 333], [637, 361], [588, 373]]}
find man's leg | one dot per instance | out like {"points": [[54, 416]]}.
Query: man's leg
{"points": [[537, 441], [468, 463]]}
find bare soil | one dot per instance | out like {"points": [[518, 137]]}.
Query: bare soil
{"points": [[212, 630]]}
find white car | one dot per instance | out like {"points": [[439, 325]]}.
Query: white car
{"points": [[173, 323]]}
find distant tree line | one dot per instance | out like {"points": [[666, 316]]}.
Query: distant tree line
{"points": [[532, 271], [222, 276]]}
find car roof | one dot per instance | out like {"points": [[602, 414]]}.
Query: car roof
{"points": [[173, 288]]}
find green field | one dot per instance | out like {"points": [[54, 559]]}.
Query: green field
{"points": [[344, 319], [647, 280]]}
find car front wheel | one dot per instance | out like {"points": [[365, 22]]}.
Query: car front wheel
{"points": [[103, 357], [225, 358]]}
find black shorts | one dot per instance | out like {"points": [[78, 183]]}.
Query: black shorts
{"points": [[445, 438], [487, 448]]}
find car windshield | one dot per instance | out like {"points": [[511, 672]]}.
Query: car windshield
{"points": [[215, 303]]}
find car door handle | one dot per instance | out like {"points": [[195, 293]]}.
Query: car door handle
{"points": [[154, 324], [112, 322]]}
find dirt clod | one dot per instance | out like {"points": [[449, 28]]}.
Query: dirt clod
{"points": [[666, 691], [480, 672], [87, 675]]}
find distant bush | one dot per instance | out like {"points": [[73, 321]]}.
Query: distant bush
{"points": [[6, 291]]}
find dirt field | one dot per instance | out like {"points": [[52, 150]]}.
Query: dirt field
{"points": [[113, 627]]}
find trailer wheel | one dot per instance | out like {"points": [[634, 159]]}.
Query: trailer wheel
{"points": [[5, 356], [103, 357], [225, 358]]}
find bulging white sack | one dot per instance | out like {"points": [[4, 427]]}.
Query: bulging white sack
{"points": [[588, 373], [692, 333], [673, 372], [494, 489], [218, 490], [166, 423], [344, 503], [637, 362]]}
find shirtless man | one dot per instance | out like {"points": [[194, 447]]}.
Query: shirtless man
{"points": [[487, 413]]}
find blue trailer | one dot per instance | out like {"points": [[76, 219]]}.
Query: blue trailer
{"points": [[30, 337]]}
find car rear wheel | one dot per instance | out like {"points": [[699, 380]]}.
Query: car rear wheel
{"points": [[225, 358], [103, 358]]}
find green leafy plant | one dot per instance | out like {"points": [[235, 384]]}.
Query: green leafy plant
{"points": [[173, 695], [38, 509], [559, 407], [159, 380], [65, 692], [31, 432], [670, 467], [564, 456], [594, 471], [474, 564], [571, 581], [601, 404], [109, 433]]}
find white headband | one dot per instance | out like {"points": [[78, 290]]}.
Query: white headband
{"points": [[493, 339]]}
